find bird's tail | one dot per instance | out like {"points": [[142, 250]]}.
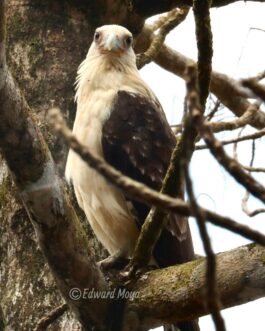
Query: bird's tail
{"points": [[183, 326]]}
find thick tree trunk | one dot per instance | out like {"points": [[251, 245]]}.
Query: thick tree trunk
{"points": [[46, 42]]}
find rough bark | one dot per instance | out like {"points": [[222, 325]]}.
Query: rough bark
{"points": [[59, 232], [178, 293], [44, 60]]}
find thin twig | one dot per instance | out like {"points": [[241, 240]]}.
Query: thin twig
{"points": [[215, 109], [169, 22], [213, 299], [140, 191], [246, 197], [230, 164], [204, 66], [255, 135], [229, 224], [253, 169], [247, 211], [240, 122], [235, 155], [51, 317]]}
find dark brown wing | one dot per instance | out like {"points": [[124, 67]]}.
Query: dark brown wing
{"points": [[138, 141]]}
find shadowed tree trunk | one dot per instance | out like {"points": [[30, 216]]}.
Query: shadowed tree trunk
{"points": [[46, 42]]}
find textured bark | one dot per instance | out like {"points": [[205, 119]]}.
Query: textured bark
{"points": [[43, 59], [59, 232], [178, 293]]}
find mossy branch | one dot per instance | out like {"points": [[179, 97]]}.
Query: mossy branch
{"points": [[178, 293]]}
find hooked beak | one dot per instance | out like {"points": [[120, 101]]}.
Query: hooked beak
{"points": [[112, 43]]}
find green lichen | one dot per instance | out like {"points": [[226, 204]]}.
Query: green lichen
{"points": [[186, 272]]}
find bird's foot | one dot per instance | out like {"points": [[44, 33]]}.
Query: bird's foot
{"points": [[133, 271], [115, 261]]}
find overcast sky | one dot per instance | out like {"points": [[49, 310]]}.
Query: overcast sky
{"points": [[239, 51]]}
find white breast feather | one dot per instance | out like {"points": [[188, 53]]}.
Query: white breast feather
{"points": [[105, 206]]}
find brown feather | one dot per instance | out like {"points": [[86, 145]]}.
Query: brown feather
{"points": [[138, 140]]}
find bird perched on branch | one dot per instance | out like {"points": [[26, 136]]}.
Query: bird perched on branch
{"points": [[120, 119]]}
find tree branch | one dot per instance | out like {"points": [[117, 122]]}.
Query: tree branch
{"points": [[226, 89], [255, 135], [247, 211], [198, 89], [170, 21], [255, 87], [177, 293], [253, 169], [246, 118], [51, 317]]}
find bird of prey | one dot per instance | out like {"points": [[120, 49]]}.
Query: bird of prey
{"points": [[120, 119]]}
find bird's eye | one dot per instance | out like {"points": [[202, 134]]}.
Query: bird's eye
{"points": [[128, 41], [96, 36]]}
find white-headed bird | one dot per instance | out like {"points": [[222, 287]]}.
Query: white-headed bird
{"points": [[120, 119]]}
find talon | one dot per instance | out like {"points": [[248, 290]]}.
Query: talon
{"points": [[116, 261]]}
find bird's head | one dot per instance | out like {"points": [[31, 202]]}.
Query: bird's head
{"points": [[110, 62], [112, 41]]}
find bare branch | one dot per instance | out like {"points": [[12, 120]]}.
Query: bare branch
{"points": [[253, 169], [242, 121], [231, 165], [51, 317], [247, 211], [170, 21], [215, 109], [185, 285], [246, 197], [252, 136], [255, 87], [213, 298], [205, 48], [226, 89], [197, 92]]}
